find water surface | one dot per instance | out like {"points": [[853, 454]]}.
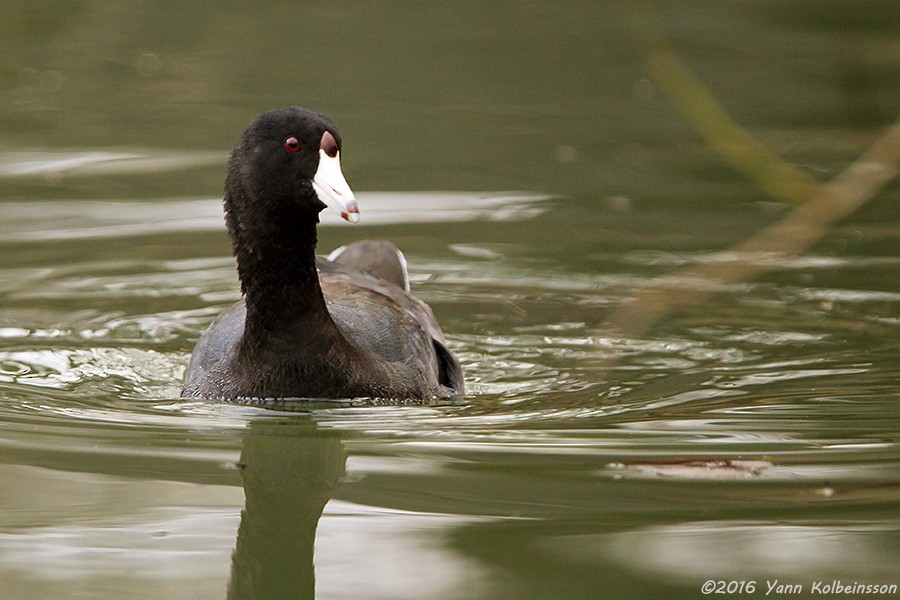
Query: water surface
{"points": [[536, 180]]}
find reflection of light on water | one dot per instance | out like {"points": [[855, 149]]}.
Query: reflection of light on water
{"points": [[379, 208], [56, 164], [182, 543], [118, 218], [696, 552], [371, 552], [361, 551]]}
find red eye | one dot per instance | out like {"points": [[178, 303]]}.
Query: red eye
{"points": [[292, 144]]}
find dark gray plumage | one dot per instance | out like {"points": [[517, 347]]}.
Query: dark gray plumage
{"points": [[338, 327]]}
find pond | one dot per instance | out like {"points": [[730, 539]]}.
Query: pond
{"points": [[539, 179]]}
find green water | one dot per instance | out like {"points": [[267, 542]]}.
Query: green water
{"points": [[536, 179]]}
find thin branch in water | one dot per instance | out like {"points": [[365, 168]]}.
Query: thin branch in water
{"points": [[820, 205]]}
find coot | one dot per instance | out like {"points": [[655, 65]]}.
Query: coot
{"points": [[329, 328]]}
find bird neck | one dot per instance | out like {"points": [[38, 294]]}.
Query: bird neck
{"points": [[280, 283]]}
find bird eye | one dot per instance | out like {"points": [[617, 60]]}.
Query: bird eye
{"points": [[292, 144]]}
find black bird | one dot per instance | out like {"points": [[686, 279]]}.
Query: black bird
{"points": [[340, 327]]}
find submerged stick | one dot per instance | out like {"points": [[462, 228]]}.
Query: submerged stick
{"points": [[761, 252], [820, 205], [735, 145]]}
